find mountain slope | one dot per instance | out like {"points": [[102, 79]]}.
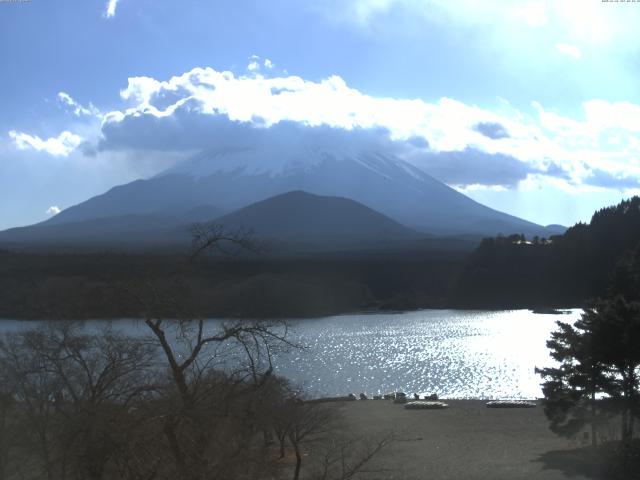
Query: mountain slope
{"points": [[302, 215], [236, 178], [294, 220], [111, 231]]}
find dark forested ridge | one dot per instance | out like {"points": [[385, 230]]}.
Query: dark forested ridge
{"points": [[563, 270], [59, 285], [502, 272]]}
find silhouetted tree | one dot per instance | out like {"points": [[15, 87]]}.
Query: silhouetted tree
{"points": [[570, 389], [193, 400], [70, 394], [599, 356], [616, 329], [567, 270]]}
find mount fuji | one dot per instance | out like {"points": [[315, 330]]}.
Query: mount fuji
{"points": [[216, 183]]}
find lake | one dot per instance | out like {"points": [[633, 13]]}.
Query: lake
{"points": [[454, 353]]}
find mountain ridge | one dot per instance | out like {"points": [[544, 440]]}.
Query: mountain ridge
{"points": [[294, 219], [233, 179]]}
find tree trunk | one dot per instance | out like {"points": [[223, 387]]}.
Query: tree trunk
{"points": [[4, 446], [266, 436], [48, 464], [282, 438], [594, 441], [627, 414], [625, 425], [631, 393], [169, 431], [296, 473]]}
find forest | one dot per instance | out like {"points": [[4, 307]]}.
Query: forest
{"points": [[87, 285], [561, 271], [502, 272]]}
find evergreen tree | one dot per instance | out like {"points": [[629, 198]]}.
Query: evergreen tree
{"points": [[599, 371], [572, 388], [616, 329]]}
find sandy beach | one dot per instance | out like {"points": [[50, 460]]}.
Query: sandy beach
{"points": [[468, 441]]}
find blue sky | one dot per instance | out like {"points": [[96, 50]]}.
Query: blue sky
{"points": [[530, 107]]}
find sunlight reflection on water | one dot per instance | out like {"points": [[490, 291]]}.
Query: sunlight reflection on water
{"points": [[456, 354]]}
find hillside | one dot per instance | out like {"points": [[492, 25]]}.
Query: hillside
{"points": [[303, 217], [290, 222], [232, 179], [563, 270]]}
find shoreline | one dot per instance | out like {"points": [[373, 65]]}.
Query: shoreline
{"points": [[556, 310], [467, 440], [423, 398]]}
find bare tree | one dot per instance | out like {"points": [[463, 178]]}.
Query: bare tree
{"points": [[317, 431], [346, 455], [217, 371], [212, 237], [308, 422], [71, 391], [8, 431], [196, 399]]}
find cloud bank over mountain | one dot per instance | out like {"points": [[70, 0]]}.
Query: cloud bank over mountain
{"points": [[465, 146], [460, 144], [537, 99]]}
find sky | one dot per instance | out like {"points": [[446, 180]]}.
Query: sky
{"points": [[531, 107]]}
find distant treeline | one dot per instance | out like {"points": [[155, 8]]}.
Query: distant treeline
{"points": [[48, 285], [563, 270], [502, 272]]}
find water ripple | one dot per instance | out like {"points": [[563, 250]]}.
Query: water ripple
{"points": [[462, 354]]}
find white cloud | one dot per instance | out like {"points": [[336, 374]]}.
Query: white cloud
{"points": [[111, 8], [53, 210], [580, 21], [75, 107], [604, 138], [569, 50], [61, 146], [254, 63]]}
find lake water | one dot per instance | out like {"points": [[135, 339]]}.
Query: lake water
{"points": [[456, 354]]}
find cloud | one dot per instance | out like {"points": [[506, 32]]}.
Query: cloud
{"points": [[256, 64], [602, 178], [569, 50], [60, 146], [589, 21], [74, 107], [418, 142], [205, 108], [471, 166], [111, 8], [285, 139], [556, 171], [187, 128], [183, 130], [202, 92], [53, 210], [491, 130]]}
